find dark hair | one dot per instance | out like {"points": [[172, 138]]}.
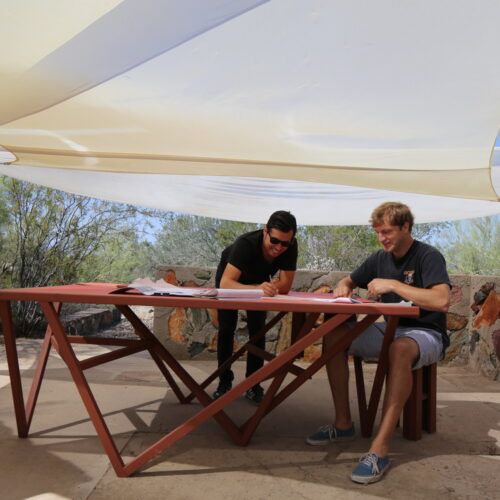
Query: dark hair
{"points": [[283, 221], [395, 213]]}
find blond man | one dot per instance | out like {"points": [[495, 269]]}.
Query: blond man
{"points": [[405, 269]]}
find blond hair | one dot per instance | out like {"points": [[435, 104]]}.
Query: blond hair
{"points": [[396, 214]]}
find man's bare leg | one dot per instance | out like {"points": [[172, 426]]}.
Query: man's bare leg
{"points": [[338, 376], [402, 355]]}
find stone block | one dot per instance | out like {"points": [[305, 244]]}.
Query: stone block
{"points": [[495, 339], [456, 321], [90, 321], [490, 310]]}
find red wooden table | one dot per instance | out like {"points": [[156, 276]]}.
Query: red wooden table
{"points": [[306, 311]]}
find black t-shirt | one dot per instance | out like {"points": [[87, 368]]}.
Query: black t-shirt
{"points": [[423, 266], [246, 255]]}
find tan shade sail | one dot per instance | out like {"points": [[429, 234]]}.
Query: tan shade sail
{"points": [[235, 109]]}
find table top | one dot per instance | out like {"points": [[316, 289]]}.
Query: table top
{"points": [[111, 293]]}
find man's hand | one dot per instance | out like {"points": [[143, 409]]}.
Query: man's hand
{"points": [[344, 288], [284, 282], [269, 289], [342, 291], [434, 298], [378, 286]]}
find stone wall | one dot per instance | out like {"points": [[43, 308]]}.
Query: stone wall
{"points": [[484, 332], [90, 321], [473, 319]]}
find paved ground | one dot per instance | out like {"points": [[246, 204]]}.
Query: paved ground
{"points": [[62, 458]]}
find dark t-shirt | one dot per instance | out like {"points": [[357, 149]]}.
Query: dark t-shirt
{"points": [[423, 266], [246, 255]]}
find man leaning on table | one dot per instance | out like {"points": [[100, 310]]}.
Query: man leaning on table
{"points": [[251, 262], [405, 269]]}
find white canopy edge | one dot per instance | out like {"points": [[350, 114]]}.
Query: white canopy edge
{"points": [[250, 199]]}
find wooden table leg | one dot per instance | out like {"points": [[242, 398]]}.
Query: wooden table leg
{"points": [[240, 352], [69, 357], [380, 374], [339, 345], [158, 351], [40, 370], [13, 364]]}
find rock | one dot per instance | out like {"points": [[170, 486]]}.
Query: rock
{"points": [[457, 342], [212, 346], [90, 321], [171, 278], [197, 318], [176, 324], [303, 280], [455, 295], [475, 337], [285, 335], [490, 310], [312, 353], [483, 292], [328, 279], [195, 348], [485, 364], [455, 321], [493, 360], [204, 275], [495, 337], [214, 319]]}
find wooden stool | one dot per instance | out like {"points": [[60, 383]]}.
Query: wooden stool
{"points": [[420, 409]]}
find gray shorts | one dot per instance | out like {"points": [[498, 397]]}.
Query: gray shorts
{"points": [[369, 343]]}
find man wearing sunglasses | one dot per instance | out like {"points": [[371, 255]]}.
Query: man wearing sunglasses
{"points": [[251, 262]]}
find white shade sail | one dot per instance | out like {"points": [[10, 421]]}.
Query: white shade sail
{"points": [[234, 109]]}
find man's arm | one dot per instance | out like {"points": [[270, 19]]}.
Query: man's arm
{"points": [[434, 298], [344, 287], [284, 282], [231, 276]]}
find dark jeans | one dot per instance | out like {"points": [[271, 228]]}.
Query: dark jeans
{"points": [[227, 325]]}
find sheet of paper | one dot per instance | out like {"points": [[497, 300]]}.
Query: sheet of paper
{"points": [[345, 300], [239, 293], [402, 303], [160, 287]]}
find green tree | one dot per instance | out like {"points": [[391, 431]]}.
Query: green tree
{"points": [[3, 231], [343, 248], [50, 235], [335, 248], [198, 241], [120, 259], [430, 232], [473, 246], [190, 240]]}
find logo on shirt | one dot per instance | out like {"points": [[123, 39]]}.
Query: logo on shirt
{"points": [[409, 277]]}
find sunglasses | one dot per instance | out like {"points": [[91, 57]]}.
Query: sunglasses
{"points": [[276, 241]]}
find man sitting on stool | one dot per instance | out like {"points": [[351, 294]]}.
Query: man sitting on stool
{"points": [[405, 269]]}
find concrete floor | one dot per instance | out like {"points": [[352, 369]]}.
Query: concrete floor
{"points": [[62, 458]]}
